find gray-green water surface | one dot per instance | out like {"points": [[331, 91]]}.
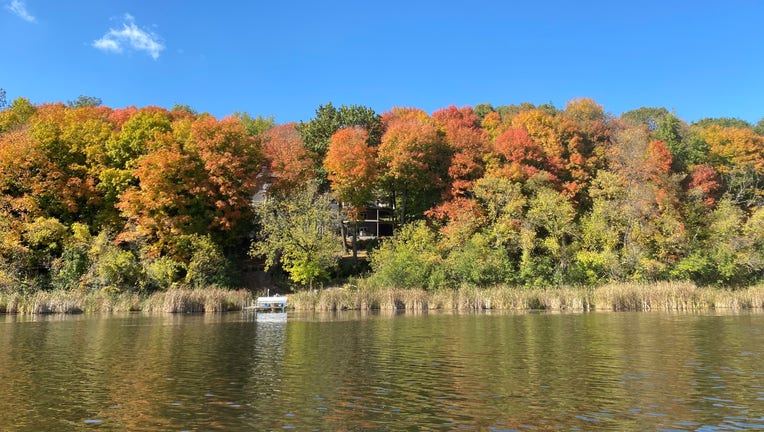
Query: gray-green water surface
{"points": [[352, 371]]}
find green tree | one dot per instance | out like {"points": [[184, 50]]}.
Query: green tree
{"points": [[670, 131], [759, 128], [479, 262], [550, 218], [256, 126], [204, 261], [111, 268], [723, 122], [69, 268], [482, 110], [44, 238], [410, 259], [84, 101], [183, 108], [503, 204], [300, 231], [20, 111], [729, 249], [139, 135], [645, 116]]}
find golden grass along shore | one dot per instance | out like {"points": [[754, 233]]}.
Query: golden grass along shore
{"points": [[666, 296], [173, 301], [661, 296]]}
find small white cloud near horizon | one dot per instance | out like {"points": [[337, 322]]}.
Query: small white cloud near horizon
{"points": [[130, 37], [19, 8]]}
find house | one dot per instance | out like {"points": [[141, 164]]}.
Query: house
{"points": [[375, 221]]}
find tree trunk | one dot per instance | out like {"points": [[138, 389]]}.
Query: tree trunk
{"points": [[343, 230], [403, 205], [355, 240]]}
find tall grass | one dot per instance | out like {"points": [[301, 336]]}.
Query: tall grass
{"points": [[666, 296], [173, 301], [198, 300]]}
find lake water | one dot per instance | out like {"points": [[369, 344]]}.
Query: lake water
{"points": [[354, 371]]}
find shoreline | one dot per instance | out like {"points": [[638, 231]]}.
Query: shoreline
{"points": [[660, 296]]}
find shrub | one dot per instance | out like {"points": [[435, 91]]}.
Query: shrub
{"points": [[410, 259]]}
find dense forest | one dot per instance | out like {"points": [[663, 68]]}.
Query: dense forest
{"points": [[95, 198]]}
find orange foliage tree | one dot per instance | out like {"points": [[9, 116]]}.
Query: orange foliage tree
{"points": [[414, 159], [204, 185], [287, 160], [352, 167], [232, 160]]}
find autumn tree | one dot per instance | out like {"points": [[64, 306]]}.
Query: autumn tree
{"points": [[414, 160], [167, 202], [738, 155], [519, 157], [351, 165], [287, 160], [468, 143], [20, 164], [634, 229], [232, 161], [66, 136], [38, 178], [587, 134], [317, 133], [201, 186]]}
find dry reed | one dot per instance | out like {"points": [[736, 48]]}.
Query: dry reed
{"points": [[666, 296], [174, 301], [197, 300]]}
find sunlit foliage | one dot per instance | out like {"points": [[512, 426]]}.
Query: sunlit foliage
{"points": [[97, 198]]}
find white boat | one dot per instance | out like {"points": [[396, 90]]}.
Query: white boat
{"points": [[271, 303]]}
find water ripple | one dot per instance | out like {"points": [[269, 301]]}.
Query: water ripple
{"points": [[344, 372]]}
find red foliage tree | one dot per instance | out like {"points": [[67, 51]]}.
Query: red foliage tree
{"points": [[705, 180], [468, 144], [520, 157]]}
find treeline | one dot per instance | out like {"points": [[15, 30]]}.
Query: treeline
{"points": [[94, 198]]}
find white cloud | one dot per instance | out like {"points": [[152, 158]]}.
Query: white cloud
{"points": [[19, 8], [130, 37], [106, 44]]}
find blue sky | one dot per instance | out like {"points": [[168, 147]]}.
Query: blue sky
{"points": [[284, 58]]}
